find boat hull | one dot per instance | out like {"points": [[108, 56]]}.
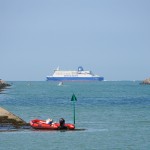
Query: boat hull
{"points": [[74, 78], [41, 124]]}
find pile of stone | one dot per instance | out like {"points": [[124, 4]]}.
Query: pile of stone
{"points": [[146, 81]]}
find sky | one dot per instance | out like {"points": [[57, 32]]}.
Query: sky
{"points": [[109, 37]]}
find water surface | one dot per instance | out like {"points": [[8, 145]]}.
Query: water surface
{"points": [[114, 114]]}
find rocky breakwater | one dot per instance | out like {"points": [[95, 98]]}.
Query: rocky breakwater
{"points": [[10, 120], [3, 84], [146, 81]]}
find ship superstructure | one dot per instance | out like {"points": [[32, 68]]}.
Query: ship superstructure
{"points": [[78, 75]]}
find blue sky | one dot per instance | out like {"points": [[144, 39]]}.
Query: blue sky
{"points": [[109, 37]]}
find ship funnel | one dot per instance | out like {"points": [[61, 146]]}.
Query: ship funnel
{"points": [[80, 68]]}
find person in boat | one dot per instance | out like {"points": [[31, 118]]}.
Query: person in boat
{"points": [[62, 124], [49, 121]]}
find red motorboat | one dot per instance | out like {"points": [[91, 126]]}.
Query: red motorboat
{"points": [[41, 124]]}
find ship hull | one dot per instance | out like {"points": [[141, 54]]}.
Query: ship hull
{"points": [[75, 78]]}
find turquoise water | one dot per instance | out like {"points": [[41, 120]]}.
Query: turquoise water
{"points": [[115, 115]]}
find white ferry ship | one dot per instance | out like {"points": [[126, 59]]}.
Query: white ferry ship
{"points": [[78, 75]]}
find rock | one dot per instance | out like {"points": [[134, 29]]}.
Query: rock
{"points": [[7, 117], [3, 84], [146, 81]]}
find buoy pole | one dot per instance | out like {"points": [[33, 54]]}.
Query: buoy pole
{"points": [[74, 99], [74, 114]]}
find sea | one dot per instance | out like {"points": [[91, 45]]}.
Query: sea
{"points": [[109, 115]]}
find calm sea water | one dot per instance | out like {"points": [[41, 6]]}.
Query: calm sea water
{"points": [[116, 115]]}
